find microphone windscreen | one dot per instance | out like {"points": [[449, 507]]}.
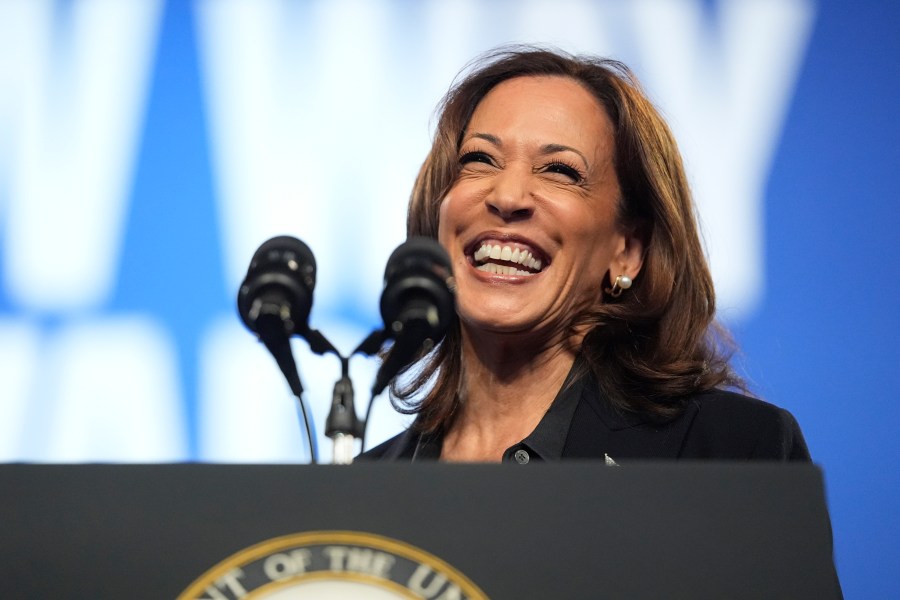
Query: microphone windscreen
{"points": [[418, 271], [416, 253], [282, 275], [281, 250]]}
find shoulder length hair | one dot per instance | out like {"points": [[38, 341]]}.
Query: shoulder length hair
{"points": [[657, 343]]}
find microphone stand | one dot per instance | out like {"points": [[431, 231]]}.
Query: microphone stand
{"points": [[370, 347], [342, 426]]}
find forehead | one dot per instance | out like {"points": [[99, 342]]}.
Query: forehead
{"points": [[555, 106]]}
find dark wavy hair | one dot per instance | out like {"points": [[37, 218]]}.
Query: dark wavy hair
{"points": [[656, 344]]}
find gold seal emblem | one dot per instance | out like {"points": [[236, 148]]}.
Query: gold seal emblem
{"points": [[325, 565]]}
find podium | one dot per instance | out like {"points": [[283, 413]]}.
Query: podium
{"points": [[545, 531]]}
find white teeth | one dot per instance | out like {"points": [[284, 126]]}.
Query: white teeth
{"points": [[508, 254], [502, 270]]}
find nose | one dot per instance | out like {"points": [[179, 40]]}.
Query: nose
{"points": [[510, 197]]}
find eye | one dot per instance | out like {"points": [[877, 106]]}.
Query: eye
{"points": [[565, 169], [475, 157]]}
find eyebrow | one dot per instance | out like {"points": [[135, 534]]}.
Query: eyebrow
{"points": [[554, 148], [493, 139], [544, 150]]}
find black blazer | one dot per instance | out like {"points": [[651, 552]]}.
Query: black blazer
{"points": [[714, 425]]}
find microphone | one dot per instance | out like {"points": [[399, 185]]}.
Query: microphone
{"points": [[417, 304], [279, 284], [274, 302], [275, 298]]}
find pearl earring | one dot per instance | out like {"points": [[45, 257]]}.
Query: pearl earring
{"points": [[622, 282]]}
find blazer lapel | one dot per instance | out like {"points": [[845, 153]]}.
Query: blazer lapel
{"points": [[598, 430]]}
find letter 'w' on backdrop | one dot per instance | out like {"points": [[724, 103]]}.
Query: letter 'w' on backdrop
{"points": [[75, 85], [74, 81], [725, 88]]}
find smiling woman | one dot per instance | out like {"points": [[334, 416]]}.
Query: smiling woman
{"points": [[586, 307]]}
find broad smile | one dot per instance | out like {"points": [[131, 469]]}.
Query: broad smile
{"points": [[507, 255]]}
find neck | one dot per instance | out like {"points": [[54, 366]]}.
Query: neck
{"points": [[509, 385]]}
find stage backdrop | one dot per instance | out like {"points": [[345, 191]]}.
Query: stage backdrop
{"points": [[148, 147]]}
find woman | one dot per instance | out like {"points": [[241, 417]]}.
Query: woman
{"points": [[586, 307]]}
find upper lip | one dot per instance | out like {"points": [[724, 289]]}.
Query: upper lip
{"points": [[513, 238]]}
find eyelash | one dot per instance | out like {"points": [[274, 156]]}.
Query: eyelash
{"points": [[556, 166], [564, 168], [475, 157]]}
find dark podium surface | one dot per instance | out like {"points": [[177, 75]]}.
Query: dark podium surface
{"points": [[548, 531]]}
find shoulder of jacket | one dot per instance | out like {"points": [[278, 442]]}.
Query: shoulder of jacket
{"points": [[714, 403], [391, 449], [731, 415]]}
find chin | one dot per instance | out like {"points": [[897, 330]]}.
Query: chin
{"points": [[484, 319]]}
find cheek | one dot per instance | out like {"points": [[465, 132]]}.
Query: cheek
{"points": [[598, 242], [450, 216], [445, 220]]}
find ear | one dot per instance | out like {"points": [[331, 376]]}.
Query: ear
{"points": [[629, 256]]}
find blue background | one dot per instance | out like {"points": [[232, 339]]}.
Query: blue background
{"points": [[825, 340]]}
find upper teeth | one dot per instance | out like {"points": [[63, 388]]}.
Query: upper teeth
{"points": [[509, 254]]}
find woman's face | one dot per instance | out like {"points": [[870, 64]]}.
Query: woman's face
{"points": [[530, 223]]}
